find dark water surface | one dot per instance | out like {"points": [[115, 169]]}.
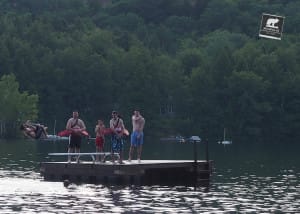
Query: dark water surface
{"points": [[247, 178]]}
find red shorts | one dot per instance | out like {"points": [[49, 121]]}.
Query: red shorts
{"points": [[99, 142]]}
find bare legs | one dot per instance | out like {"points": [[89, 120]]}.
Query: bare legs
{"points": [[139, 152], [130, 152], [99, 149], [71, 150]]}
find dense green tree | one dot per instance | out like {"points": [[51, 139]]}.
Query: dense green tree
{"points": [[16, 106], [246, 105], [192, 67]]}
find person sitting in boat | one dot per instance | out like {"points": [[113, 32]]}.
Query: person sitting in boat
{"points": [[34, 130]]}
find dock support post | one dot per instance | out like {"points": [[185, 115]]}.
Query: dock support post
{"points": [[195, 139], [207, 155], [195, 163], [195, 152]]}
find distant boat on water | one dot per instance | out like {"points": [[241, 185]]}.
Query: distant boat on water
{"points": [[181, 139], [225, 142], [177, 138]]}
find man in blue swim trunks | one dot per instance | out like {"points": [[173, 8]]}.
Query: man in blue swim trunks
{"points": [[137, 136]]}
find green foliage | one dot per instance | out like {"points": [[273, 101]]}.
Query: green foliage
{"points": [[191, 67], [247, 105], [16, 106]]}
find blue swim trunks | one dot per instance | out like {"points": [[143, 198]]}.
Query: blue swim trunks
{"points": [[137, 138], [117, 144]]}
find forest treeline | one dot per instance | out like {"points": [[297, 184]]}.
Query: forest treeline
{"points": [[193, 67]]}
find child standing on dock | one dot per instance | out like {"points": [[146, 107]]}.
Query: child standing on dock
{"points": [[100, 139]]}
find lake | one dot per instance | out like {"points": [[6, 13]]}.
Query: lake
{"points": [[247, 178]]}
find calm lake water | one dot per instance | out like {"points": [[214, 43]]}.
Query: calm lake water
{"points": [[247, 178]]}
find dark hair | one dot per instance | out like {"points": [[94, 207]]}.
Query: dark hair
{"points": [[114, 112], [22, 127]]}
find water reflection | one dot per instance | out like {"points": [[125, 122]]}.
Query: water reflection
{"points": [[263, 181], [267, 195], [243, 194]]}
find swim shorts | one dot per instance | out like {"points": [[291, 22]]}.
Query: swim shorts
{"points": [[116, 144], [38, 132], [99, 142], [75, 141], [137, 138]]}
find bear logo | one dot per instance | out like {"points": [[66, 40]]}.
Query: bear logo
{"points": [[271, 22]]}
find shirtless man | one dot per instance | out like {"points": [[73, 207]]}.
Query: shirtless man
{"points": [[76, 126], [137, 136]]}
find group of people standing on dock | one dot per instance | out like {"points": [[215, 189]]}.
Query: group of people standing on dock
{"points": [[117, 131]]}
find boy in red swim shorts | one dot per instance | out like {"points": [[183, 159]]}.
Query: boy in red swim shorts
{"points": [[100, 139]]}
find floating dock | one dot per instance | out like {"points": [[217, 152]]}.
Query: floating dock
{"points": [[146, 172]]}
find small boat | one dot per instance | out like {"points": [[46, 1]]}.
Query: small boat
{"points": [[224, 142], [195, 139], [177, 138]]}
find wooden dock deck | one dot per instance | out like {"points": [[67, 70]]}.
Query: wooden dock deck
{"points": [[147, 172]]}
